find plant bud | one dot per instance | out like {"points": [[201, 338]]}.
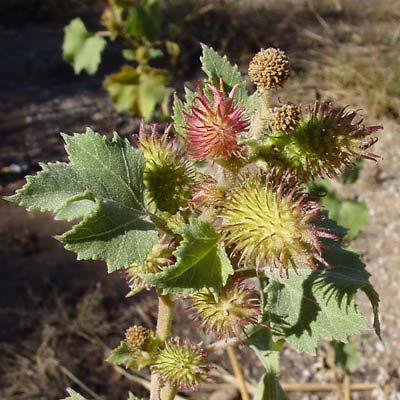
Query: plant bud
{"points": [[159, 258], [227, 314], [269, 69], [136, 337], [272, 223], [284, 118], [182, 364], [213, 124], [167, 174]]}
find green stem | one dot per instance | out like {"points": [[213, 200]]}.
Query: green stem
{"points": [[163, 331]]}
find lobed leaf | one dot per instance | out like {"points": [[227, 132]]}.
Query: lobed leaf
{"points": [[217, 67], [82, 49], [49, 189], [103, 184], [137, 90], [308, 307], [114, 233], [201, 262]]}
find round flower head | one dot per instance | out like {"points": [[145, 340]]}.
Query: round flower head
{"points": [[271, 224], [325, 142], [182, 364], [136, 337], [269, 69], [227, 314], [284, 118], [213, 125]]}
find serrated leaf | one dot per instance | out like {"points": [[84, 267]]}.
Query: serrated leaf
{"points": [[311, 306], [201, 262], [49, 189], [109, 169], [104, 185], [178, 112], [217, 67], [115, 231], [81, 48], [73, 395]]}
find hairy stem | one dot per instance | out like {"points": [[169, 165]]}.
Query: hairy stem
{"points": [[238, 373], [163, 331], [259, 121], [168, 392]]}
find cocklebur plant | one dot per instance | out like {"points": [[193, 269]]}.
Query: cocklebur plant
{"points": [[218, 218]]}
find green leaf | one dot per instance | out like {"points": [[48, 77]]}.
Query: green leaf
{"points": [[137, 90], [217, 67], [311, 306], [114, 233], [116, 230], [76, 207], [104, 185], [81, 48], [121, 355], [73, 395], [144, 21], [347, 355], [137, 360], [178, 115], [352, 172], [260, 341], [49, 189], [268, 388], [110, 169], [201, 262], [152, 90], [122, 87], [349, 213]]}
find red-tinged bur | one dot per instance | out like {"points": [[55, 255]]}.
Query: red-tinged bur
{"points": [[182, 364], [207, 193], [213, 124], [227, 314], [270, 223]]}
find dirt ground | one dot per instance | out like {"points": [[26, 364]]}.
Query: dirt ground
{"points": [[59, 317]]}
